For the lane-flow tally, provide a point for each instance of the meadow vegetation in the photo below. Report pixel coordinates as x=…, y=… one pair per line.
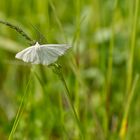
x=92, y=92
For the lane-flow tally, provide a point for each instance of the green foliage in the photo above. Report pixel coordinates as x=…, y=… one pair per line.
x=95, y=92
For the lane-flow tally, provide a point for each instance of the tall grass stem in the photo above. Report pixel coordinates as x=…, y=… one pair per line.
x=123, y=129
x=132, y=48
x=58, y=71
x=20, y=110
x=109, y=69
x=19, y=30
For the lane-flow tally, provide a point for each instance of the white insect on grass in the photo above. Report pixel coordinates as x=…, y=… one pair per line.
x=42, y=54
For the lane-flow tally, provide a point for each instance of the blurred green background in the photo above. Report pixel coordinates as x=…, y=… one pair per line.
x=100, y=70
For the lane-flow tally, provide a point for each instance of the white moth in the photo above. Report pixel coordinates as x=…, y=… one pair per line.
x=42, y=54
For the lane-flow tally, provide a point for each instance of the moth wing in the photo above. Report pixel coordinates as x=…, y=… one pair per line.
x=49, y=53
x=29, y=55
x=58, y=48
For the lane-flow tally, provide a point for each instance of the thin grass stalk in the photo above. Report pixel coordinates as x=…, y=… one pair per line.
x=64, y=131
x=20, y=109
x=58, y=20
x=123, y=129
x=76, y=43
x=22, y=104
x=109, y=69
x=77, y=57
x=57, y=70
x=132, y=48
x=19, y=30
x=61, y=112
x=72, y=106
x=100, y=25
x=102, y=63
